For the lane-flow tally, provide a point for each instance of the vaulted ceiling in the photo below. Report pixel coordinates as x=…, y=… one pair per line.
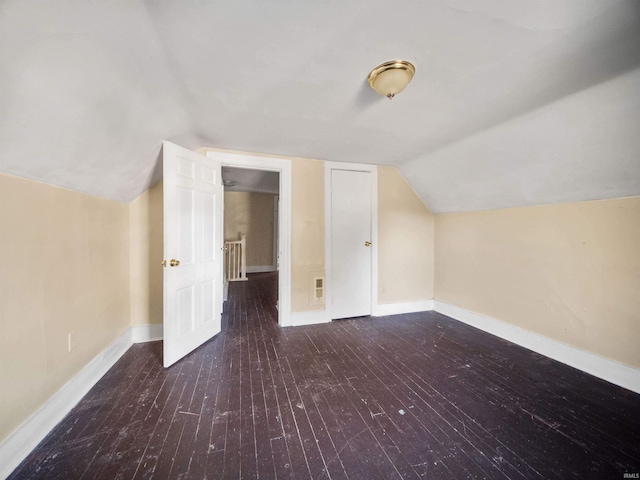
x=513, y=103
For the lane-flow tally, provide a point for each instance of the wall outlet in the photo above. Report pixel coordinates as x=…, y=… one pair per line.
x=71, y=341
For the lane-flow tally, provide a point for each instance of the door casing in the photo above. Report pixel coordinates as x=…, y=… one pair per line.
x=283, y=167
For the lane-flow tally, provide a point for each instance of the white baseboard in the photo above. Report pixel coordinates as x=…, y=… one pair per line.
x=404, y=307
x=311, y=317
x=261, y=269
x=596, y=365
x=146, y=333
x=15, y=448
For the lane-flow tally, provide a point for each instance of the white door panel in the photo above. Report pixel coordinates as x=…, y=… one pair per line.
x=193, y=236
x=350, y=231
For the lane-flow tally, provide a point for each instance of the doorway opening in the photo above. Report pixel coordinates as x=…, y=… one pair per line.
x=265, y=169
x=250, y=228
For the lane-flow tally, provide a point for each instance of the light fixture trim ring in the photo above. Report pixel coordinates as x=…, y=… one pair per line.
x=388, y=66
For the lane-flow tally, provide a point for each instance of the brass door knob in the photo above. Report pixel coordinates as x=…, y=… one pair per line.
x=174, y=262
x=367, y=244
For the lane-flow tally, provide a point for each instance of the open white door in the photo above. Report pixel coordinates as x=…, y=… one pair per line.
x=192, y=250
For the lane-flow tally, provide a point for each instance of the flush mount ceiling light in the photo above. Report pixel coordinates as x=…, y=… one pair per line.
x=391, y=78
x=228, y=183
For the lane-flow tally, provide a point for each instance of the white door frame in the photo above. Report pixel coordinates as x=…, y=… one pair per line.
x=357, y=167
x=276, y=208
x=283, y=167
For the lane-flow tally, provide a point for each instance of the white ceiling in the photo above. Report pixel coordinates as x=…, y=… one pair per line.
x=249, y=180
x=513, y=103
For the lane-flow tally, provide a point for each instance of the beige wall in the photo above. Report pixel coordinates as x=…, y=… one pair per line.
x=405, y=230
x=65, y=268
x=307, y=232
x=147, y=248
x=405, y=241
x=252, y=214
x=570, y=272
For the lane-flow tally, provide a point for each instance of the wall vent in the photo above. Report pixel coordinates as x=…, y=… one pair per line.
x=318, y=288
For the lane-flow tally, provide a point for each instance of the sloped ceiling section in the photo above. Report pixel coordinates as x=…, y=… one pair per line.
x=513, y=103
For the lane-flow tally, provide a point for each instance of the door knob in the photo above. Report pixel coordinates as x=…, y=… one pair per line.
x=174, y=262
x=367, y=244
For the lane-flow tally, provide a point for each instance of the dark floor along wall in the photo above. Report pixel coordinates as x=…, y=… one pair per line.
x=409, y=396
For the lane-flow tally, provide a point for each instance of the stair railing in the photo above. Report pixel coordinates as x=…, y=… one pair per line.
x=236, y=259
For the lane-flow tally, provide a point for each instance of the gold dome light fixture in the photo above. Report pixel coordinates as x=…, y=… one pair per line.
x=392, y=77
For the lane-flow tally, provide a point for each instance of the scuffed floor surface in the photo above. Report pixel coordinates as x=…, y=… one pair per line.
x=409, y=396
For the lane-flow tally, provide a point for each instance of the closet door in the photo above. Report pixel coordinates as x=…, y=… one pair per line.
x=351, y=257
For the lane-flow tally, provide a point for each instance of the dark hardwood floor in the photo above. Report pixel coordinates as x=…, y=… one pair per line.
x=409, y=396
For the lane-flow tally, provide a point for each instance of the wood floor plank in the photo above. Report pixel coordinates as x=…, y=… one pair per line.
x=571, y=449
x=375, y=398
x=467, y=440
x=210, y=384
x=408, y=396
x=128, y=415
